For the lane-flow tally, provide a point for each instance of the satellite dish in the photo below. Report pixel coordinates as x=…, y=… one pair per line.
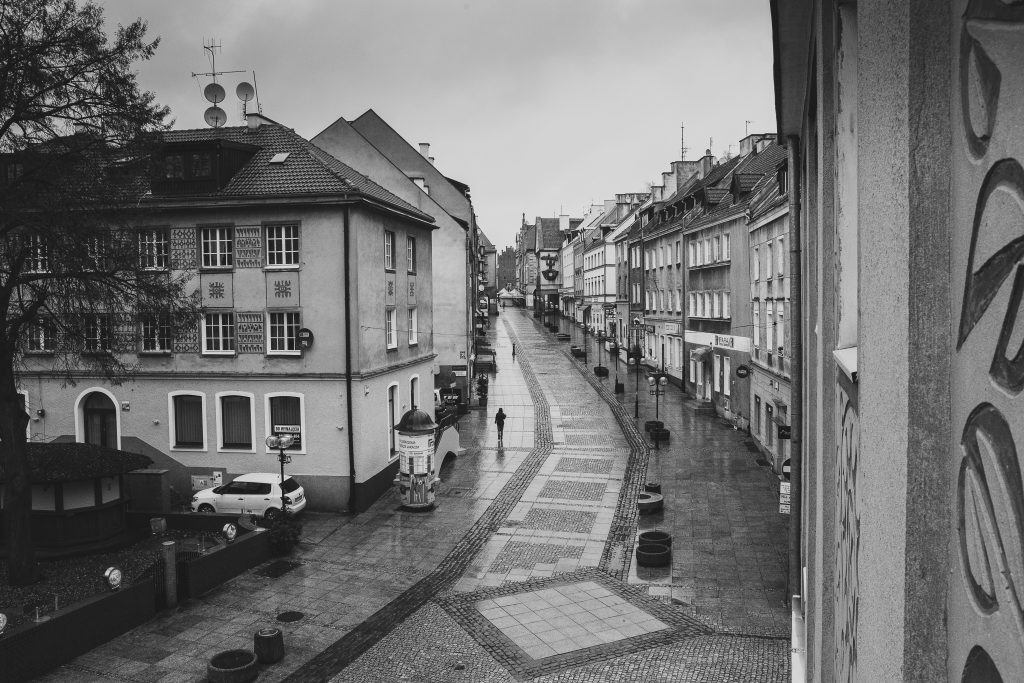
x=215, y=116
x=245, y=91
x=214, y=92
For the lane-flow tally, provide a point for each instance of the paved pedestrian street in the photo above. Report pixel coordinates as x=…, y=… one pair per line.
x=526, y=570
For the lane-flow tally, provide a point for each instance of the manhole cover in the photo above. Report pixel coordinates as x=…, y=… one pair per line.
x=289, y=617
x=278, y=568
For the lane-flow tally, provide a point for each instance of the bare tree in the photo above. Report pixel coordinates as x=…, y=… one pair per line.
x=78, y=284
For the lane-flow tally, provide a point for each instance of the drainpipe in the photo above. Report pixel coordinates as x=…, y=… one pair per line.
x=348, y=362
x=796, y=397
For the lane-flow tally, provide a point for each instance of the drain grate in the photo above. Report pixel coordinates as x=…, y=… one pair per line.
x=289, y=617
x=278, y=568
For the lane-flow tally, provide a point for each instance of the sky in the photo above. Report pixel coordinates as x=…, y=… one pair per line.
x=541, y=106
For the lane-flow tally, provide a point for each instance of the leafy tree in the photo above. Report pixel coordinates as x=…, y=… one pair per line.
x=76, y=282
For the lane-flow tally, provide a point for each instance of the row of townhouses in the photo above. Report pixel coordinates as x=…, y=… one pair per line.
x=692, y=277
x=341, y=280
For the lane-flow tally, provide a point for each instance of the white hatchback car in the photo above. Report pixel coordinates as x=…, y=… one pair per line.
x=251, y=494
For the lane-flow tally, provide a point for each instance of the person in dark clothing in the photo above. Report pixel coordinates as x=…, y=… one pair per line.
x=513, y=353
x=499, y=419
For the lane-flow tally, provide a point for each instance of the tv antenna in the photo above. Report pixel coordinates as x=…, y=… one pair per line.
x=746, y=128
x=682, y=142
x=214, y=92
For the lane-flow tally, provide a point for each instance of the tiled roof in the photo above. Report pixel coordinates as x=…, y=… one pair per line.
x=530, y=237
x=550, y=237
x=754, y=166
x=308, y=170
x=715, y=194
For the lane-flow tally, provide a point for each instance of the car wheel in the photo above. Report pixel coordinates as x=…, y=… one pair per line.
x=272, y=513
x=206, y=509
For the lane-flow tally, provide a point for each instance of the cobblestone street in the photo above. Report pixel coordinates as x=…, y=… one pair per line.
x=526, y=570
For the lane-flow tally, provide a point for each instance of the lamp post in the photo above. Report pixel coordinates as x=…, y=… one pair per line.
x=657, y=382
x=634, y=359
x=281, y=443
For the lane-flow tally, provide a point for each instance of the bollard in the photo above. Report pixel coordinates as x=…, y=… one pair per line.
x=268, y=644
x=170, y=574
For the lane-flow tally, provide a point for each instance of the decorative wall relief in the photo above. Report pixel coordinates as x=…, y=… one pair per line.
x=389, y=289
x=985, y=619
x=187, y=339
x=847, y=532
x=124, y=332
x=412, y=290
x=183, y=248
x=217, y=289
x=248, y=246
x=249, y=331
x=282, y=289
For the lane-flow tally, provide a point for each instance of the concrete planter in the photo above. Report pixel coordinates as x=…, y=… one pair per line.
x=652, y=487
x=232, y=666
x=653, y=424
x=600, y=371
x=655, y=538
x=649, y=503
x=660, y=435
x=653, y=555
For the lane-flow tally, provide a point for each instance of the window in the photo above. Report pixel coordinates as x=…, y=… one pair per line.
x=757, y=324
x=769, y=330
x=693, y=369
x=392, y=419
x=39, y=337
x=414, y=392
x=769, y=419
x=693, y=304
x=703, y=257
x=725, y=305
x=282, y=245
x=218, y=247
x=389, y=329
x=201, y=165
x=174, y=166
x=389, y=250
x=692, y=248
x=153, y=249
x=769, y=260
x=156, y=333
x=410, y=254
x=283, y=331
x=755, y=264
x=717, y=372
x=717, y=248
x=757, y=415
x=286, y=417
x=726, y=255
x=97, y=333
x=781, y=329
x=726, y=375
x=188, y=421
x=235, y=417
x=780, y=253
x=37, y=260
x=717, y=305
x=679, y=252
x=413, y=328
x=219, y=333
x=96, y=251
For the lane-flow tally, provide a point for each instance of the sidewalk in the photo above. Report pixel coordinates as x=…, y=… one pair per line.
x=525, y=569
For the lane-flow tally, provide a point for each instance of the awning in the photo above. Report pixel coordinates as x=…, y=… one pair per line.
x=700, y=354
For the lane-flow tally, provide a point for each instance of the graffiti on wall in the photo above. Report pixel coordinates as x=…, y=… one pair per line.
x=847, y=529
x=986, y=623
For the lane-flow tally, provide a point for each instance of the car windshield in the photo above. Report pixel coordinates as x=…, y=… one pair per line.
x=290, y=485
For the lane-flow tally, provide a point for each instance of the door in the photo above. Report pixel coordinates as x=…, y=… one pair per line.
x=232, y=497
x=100, y=418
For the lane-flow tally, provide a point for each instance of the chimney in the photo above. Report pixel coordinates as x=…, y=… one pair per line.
x=425, y=149
x=255, y=120
x=706, y=162
x=431, y=160
x=563, y=222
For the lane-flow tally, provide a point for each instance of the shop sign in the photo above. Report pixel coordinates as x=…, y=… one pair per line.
x=743, y=372
x=784, y=498
x=725, y=341
x=671, y=328
x=450, y=396
x=784, y=432
x=305, y=338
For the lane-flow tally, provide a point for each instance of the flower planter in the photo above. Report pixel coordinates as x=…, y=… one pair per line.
x=232, y=666
x=649, y=503
x=656, y=537
x=652, y=487
x=268, y=644
x=601, y=371
x=653, y=555
x=660, y=435
x=653, y=424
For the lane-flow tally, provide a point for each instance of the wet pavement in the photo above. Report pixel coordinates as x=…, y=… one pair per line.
x=526, y=570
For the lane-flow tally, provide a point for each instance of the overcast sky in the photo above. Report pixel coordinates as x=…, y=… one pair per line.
x=541, y=106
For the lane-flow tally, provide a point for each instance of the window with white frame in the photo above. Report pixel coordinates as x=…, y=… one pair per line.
x=717, y=372
x=780, y=326
x=693, y=370
x=390, y=333
x=187, y=420
x=97, y=333
x=726, y=254
x=717, y=248
x=413, y=327
x=39, y=336
x=692, y=250
x=703, y=257
x=679, y=252
x=717, y=303
x=780, y=253
x=769, y=329
x=769, y=259
x=219, y=333
x=755, y=265
x=282, y=245
x=727, y=375
x=757, y=323
x=156, y=333
x=234, y=413
x=97, y=252
x=286, y=416
x=708, y=251
x=389, y=250
x=153, y=249
x=692, y=299
x=414, y=391
x=410, y=254
x=37, y=259
x=725, y=305
x=283, y=331
x=218, y=246
x=393, y=408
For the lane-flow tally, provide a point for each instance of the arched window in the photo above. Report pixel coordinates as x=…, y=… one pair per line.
x=414, y=391
x=393, y=407
x=286, y=414
x=99, y=420
x=234, y=421
x=186, y=421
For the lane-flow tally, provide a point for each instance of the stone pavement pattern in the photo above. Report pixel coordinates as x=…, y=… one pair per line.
x=525, y=570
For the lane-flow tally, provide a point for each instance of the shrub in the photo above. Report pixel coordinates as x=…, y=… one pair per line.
x=284, y=533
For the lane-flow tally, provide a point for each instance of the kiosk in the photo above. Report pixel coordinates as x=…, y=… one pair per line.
x=416, y=470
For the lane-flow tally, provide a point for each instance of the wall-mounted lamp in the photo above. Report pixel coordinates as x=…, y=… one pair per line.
x=41, y=412
x=113, y=577
x=229, y=531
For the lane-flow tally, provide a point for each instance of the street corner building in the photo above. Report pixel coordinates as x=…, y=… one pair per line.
x=316, y=287
x=903, y=127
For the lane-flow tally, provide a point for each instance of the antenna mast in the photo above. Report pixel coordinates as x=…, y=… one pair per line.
x=214, y=91
x=746, y=128
x=682, y=142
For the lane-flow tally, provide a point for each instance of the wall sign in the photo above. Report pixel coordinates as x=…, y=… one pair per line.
x=742, y=371
x=304, y=337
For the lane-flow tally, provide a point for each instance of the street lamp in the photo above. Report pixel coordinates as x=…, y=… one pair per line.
x=281, y=443
x=657, y=382
x=634, y=359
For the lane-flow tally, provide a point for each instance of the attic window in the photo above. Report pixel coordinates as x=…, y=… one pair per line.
x=279, y=157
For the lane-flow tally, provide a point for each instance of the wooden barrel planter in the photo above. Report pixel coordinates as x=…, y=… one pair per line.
x=653, y=424
x=268, y=643
x=653, y=555
x=649, y=503
x=232, y=666
x=600, y=371
x=661, y=435
x=655, y=537
x=652, y=487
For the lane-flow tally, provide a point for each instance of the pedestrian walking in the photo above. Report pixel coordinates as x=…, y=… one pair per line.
x=499, y=419
x=513, y=352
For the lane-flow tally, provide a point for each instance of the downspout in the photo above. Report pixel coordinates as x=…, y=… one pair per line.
x=796, y=397
x=348, y=364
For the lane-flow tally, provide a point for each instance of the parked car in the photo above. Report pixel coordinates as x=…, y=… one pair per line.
x=251, y=494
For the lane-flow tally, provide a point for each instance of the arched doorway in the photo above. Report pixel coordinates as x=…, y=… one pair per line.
x=99, y=416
